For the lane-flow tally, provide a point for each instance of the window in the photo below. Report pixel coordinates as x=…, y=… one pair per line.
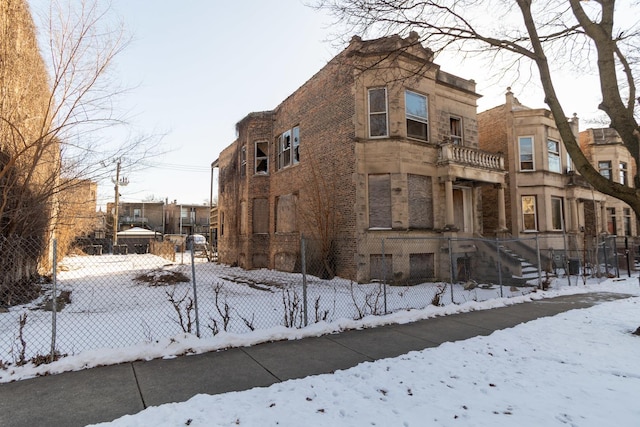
x=529, y=220
x=380, y=201
x=526, y=153
x=137, y=213
x=627, y=221
x=455, y=126
x=378, y=112
x=605, y=169
x=420, y=201
x=624, y=179
x=243, y=218
x=380, y=267
x=553, y=152
x=284, y=149
x=296, y=144
x=288, y=148
x=556, y=214
x=260, y=216
x=612, y=225
x=262, y=157
x=243, y=161
x=286, y=213
x=417, y=115
x=421, y=266
x=569, y=163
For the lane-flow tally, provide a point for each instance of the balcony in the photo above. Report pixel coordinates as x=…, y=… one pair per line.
x=459, y=163
x=457, y=154
x=134, y=220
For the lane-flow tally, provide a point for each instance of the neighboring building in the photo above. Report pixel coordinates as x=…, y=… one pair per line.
x=187, y=219
x=76, y=219
x=164, y=218
x=29, y=157
x=380, y=143
x=546, y=197
x=605, y=150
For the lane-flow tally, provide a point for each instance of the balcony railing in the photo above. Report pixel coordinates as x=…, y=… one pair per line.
x=134, y=219
x=451, y=153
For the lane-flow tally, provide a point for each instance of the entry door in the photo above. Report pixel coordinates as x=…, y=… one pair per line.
x=463, y=209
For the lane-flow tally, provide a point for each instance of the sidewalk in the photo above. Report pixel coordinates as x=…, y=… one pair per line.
x=106, y=393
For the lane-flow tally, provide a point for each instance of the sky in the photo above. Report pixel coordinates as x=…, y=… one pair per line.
x=198, y=68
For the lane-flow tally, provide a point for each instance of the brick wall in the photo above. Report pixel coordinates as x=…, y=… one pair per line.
x=492, y=137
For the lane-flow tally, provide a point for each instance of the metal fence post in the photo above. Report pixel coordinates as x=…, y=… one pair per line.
x=567, y=266
x=451, y=268
x=626, y=255
x=615, y=251
x=195, y=290
x=54, y=304
x=303, y=266
x=499, y=267
x=384, y=278
x=606, y=260
x=539, y=263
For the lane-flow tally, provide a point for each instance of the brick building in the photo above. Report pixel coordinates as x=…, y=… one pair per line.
x=604, y=149
x=379, y=143
x=546, y=197
x=163, y=217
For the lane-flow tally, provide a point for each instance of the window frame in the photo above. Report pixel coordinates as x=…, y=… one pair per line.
x=626, y=221
x=453, y=137
x=560, y=207
x=623, y=173
x=288, y=148
x=608, y=168
x=243, y=160
x=534, y=213
x=554, y=155
x=417, y=119
x=371, y=113
x=532, y=154
x=258, y=159
x=612, y=222
x=380, y=216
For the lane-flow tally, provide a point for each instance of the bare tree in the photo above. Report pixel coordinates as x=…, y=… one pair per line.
x=319, y=213
x=523, y=36
x=54, y=110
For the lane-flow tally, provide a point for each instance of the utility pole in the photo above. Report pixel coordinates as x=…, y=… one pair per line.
x=118, y=182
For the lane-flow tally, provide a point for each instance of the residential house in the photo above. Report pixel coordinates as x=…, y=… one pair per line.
x=546, y=197
x=163, y=217
x=380, y=143
x=186, y=219
x=604, y=149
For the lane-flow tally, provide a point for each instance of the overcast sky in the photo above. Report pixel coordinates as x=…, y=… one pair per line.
x=199, y=66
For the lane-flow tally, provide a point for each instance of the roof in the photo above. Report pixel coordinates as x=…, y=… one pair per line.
x=137, y=232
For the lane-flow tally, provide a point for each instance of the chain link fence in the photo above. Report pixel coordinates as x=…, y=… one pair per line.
x=143, y=295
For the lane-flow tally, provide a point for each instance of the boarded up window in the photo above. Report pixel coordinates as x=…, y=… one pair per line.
x=380, y=267
x=243, y=218
x=420, y=201
x=380, y=201
x=286, y=214
x=260, y=216
x=420, y=266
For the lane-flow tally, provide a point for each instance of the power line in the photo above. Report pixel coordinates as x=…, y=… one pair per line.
x=177, y=167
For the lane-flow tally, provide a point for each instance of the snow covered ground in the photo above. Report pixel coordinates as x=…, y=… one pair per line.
x=578, y=368
x=111, y=313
